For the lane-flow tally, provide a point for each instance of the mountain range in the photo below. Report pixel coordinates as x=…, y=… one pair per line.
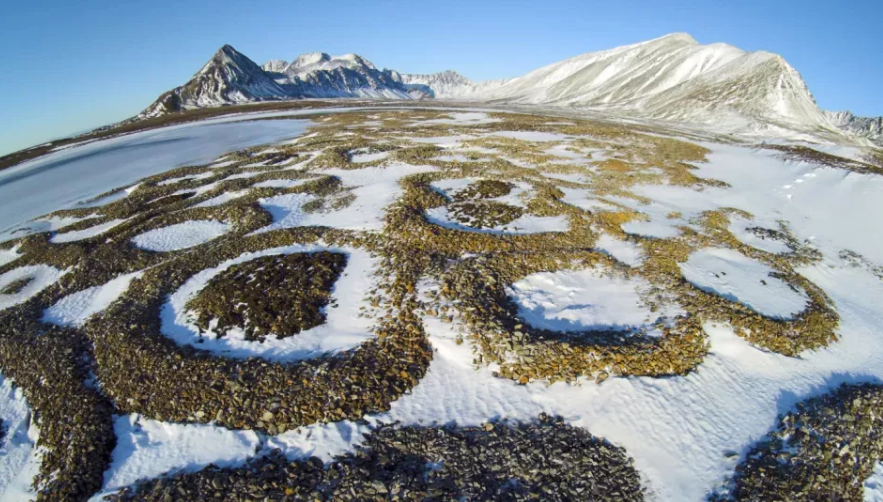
x=670, y=78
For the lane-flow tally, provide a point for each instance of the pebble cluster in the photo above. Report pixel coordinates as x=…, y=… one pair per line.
x=542, y=461
x=823, y=450
x=280, y=295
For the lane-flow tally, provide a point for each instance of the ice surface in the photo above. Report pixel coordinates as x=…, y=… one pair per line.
x=181, y=236
x=60, y=180
x=76, y=308
x=342, y=330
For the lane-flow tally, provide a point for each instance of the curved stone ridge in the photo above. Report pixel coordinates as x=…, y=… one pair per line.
x=546, y=460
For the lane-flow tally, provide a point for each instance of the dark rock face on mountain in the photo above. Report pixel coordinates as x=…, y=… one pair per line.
x=865, y=127
x=230, y=77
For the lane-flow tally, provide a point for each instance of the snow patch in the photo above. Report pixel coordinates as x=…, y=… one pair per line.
x=582, y=300
x=739, y=278
x=41, y=276
x=75, y=309
x=181, y=236
x=86, y=233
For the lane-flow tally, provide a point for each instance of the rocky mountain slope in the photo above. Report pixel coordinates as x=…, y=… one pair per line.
x=230, y=77
x=866, y=127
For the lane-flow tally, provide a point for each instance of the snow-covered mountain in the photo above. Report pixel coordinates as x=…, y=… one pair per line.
x=669, y=78
x=673, y=78
x=230, y=77
x=449, y=84
x=275, y=66
x=865, y=127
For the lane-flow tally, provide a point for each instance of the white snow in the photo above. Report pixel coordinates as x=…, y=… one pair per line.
x=75, y=309
x=361, y=157
x=873, y=487
x=342, y=330
x=8, y=255
x=172, y=181
x=588, y=299
x=222, y=199
x=286, y=210
x=739, y=278
x=624, y=251
x=86, y=233
x=149, y=448
x=41, y=277
x=443, y=141
x=282, y=183
x=526, y=224
x=181, y=236
x=225, y=163
x=19, y=436
x=739, y=228
x=654, y=228
x=375, y=188
x=459, y=119
x=537, y=136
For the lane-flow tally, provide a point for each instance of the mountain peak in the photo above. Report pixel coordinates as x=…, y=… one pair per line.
x=679, y=36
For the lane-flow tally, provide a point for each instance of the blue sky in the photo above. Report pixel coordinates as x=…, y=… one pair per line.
x=73, y=66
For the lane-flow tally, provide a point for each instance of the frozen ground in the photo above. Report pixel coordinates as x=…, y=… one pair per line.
x=681, y=431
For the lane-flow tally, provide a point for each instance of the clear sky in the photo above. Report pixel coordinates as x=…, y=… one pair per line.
x=72, y=66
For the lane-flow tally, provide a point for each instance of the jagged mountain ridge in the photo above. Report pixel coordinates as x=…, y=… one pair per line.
x=865, y=127
x=230, y=77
